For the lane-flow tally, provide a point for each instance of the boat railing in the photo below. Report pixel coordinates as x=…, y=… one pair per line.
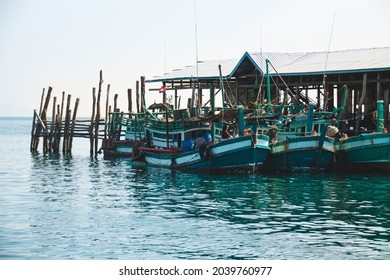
x=162, y=123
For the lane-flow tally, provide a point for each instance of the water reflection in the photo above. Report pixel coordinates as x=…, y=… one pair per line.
x=92, y=208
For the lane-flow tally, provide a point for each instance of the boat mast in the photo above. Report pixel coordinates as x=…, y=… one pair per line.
x=268, y=86
x=326, y=62
x=194, y=94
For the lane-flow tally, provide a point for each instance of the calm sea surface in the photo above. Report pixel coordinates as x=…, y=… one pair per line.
x=56, y=207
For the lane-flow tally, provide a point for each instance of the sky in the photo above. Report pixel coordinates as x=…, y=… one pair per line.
x=64, y=44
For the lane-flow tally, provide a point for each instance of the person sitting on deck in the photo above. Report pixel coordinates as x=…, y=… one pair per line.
x=314, y=132
x=225, y=132
x=199, y=141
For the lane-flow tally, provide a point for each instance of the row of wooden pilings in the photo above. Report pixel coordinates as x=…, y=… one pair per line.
x=65, y=125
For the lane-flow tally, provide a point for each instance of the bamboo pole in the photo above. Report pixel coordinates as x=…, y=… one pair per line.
x=73, y=125
x=91, y=134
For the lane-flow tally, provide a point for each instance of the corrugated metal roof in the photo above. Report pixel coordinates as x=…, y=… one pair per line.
x=206, y=70
x=339, y=61
x=278, y=59
x=371, y=59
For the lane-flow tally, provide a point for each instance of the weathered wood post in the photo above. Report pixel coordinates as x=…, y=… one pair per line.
x=137, y=96
x=73, y=124
x=143, y=105
x=129, y=99
x=97, y=119
x=44, y=120
x=32, y=131
x=59, y=126
x=106, y=116
x=66, y=124
x=115, y=117
x=91, y=128
x=359, y=112
x=42, y=97
x=53, y=118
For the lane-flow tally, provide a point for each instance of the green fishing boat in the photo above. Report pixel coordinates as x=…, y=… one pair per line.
x=367, y=151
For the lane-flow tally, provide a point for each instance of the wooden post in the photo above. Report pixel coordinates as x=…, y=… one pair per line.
x=176, y=105
x=106, y=116
x=143, y=105
x=44, y=119
x=53, y=117
x=115, y=102
x=97, y=119
x=32, y=131
x=129, y=99
x=91, y=136
x=66, y=125
x=386, y=107
x=42, y=96
x=58, y=141
x=359, y=112
x=57, y=131
x=137, y=96
x=73, y=125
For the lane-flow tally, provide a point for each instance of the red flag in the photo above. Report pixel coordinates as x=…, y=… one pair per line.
x=162, y=89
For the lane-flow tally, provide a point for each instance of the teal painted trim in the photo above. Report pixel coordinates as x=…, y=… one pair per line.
x=380, y=113
x=246, y=55
x=310, y=112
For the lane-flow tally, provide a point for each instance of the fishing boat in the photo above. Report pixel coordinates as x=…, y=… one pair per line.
x=169, y=144
x=367, y=151
x=297, y=146
x=118, y=144
x=305, y=140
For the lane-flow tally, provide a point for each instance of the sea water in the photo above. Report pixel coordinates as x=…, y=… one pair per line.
x=78, y=207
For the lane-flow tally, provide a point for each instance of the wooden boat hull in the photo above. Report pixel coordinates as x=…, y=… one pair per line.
x=301, y=154
x=369, y=152
x=235, y=154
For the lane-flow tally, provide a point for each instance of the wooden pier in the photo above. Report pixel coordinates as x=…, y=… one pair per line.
x=58, y=132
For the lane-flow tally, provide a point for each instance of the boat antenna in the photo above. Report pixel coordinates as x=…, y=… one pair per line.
x=326, y=62
x=259, y=97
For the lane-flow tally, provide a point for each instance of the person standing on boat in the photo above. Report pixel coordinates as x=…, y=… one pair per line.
x=199, y=142
x=225, y=132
